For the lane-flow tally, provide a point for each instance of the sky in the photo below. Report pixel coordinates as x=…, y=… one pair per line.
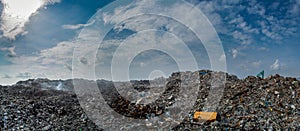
x=39, y=38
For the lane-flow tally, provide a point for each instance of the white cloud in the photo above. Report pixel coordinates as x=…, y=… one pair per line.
x=142, y=64
x=276, y=65
x=222, y=57
x=50, y=63
x=145, y=22
x=256, y=8
x=234, y=53
x=78, y=26
x=270, y=24
x=138, y=43
x=256, y=64
x=272, y=35
x=60, y=54
x=121, y=13
x=59, y=58
x=263, y=49
x=244, y=38
x=11, y=51
x=33, y=69
x=210, y=9
x=296, y=8
x=174, y=11
x=238, y=28
x=16, y=14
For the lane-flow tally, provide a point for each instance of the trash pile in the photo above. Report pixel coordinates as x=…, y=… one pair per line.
x=65, y=85
x=34, y=108
x=253, y=103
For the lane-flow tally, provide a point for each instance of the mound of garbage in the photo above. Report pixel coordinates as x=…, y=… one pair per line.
x=252, y=103
x=65, y=85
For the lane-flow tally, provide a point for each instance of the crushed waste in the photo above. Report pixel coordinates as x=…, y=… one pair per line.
x=252, y=103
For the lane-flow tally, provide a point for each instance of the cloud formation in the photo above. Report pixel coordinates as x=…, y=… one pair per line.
x=276, y=65
x=11, y=51
x=77, y=26
x=243, y=20
x=234, y=53
x=256, y=64
x=248, y=29
x=16, y=14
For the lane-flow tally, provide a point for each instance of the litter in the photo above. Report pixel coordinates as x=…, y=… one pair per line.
x=261, y=74
x=205, y=116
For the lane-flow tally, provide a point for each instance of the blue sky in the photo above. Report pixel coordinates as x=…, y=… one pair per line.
x=37, y=39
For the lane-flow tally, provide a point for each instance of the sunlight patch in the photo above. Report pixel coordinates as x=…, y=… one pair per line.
x=16, y=13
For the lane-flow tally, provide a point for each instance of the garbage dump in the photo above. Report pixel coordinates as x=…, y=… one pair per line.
x=252, y=103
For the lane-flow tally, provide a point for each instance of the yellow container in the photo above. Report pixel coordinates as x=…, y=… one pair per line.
x=206, y=116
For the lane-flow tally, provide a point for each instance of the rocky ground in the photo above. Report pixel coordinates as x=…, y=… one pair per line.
x=247, y=104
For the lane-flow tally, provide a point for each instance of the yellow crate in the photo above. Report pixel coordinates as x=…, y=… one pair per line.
x=206, y=116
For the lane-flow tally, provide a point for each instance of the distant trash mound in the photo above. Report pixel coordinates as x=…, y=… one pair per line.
x=252, y=103
x=66, y=85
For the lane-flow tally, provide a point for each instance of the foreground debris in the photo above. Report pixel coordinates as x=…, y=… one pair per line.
x=31, y=108
x=252, y=103
x=256, y=104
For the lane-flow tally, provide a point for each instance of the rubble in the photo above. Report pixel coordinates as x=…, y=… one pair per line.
x=33, y=108
x=253, y=103
x=257, y=104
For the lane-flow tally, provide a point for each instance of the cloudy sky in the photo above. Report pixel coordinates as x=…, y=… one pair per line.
x=38, y=37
